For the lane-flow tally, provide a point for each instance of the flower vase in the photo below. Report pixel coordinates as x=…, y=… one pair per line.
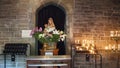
x=45, y=45
x=49, y=49
x=52, y=45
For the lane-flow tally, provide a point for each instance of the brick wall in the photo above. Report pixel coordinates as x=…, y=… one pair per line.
x=93, y=20
x=20, y=15
x=86, y=19
x=14, y=17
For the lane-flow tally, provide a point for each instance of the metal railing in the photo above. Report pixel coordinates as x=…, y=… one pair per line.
x=4, y=59
x=88, y=55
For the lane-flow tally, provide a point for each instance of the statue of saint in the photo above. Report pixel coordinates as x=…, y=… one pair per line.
x=50, y=26
x=51, y=23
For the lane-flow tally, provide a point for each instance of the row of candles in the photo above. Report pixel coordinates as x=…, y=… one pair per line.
x=112, y=47
x=87, y=45
x=90, y=46
x=114, y=33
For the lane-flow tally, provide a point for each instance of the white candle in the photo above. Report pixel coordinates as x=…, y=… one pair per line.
x=113, y=47
x=106, y=48
x=78, y=41
x=83, y=44
x=116, y=34
x=75, y=41
x=111, y=33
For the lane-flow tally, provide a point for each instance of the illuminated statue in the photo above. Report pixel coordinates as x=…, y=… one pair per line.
x=50, y=26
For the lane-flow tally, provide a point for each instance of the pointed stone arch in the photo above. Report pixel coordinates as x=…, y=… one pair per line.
x=58, y=14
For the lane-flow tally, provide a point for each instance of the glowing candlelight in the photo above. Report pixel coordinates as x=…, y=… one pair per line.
x=91, y=51
x=78, y=41
x=83, y=44
x=111, y=33
x=106, y=48
x=77, y=47
x=75, y=41
x=80, y=49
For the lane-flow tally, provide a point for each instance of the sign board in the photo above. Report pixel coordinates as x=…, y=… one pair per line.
x=26, y=34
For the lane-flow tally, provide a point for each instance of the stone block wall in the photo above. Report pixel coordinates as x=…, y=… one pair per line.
x=14, y=17
x=93, y=20
x=19, y=15
x=85, y=19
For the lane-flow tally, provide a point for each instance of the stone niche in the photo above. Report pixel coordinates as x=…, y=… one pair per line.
x=68, y=9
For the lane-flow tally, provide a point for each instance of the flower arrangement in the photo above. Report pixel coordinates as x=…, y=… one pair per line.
x=49, y=34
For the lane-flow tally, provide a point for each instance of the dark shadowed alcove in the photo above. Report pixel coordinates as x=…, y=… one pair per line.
x=58, y=14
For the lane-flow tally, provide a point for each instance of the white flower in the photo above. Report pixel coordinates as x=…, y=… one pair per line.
x=62, y=37
x=56, y=32
x=41, y=35
x=61, y=32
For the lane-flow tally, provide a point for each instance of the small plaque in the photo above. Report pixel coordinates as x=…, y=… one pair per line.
x=26, y=34
x=48, y=53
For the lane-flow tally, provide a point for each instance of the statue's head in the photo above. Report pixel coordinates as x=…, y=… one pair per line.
x=50, y=22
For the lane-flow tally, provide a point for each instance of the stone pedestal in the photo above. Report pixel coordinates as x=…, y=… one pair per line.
x=49, y=52
x=49, y=49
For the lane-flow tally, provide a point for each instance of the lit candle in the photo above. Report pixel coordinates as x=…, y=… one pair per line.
x=83, y=44
x=113, y=47
x=111, y=33
x=92, y=48
x=106, y=48
x=116, y=33
x=75, y=41
x=91, y=51
x=83, y=41
x=77, y=47
x=80, y=49
x=87, y=47
x=78, y=41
